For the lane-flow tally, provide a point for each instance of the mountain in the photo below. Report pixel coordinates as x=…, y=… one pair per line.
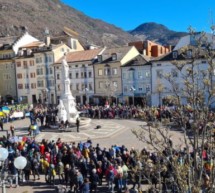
x=158, y=33
x=37, y=15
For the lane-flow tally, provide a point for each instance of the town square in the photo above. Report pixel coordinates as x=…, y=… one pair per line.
x=107, y=96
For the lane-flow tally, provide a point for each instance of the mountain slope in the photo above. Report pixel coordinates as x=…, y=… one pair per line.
x=36, y=15
x=158, y=33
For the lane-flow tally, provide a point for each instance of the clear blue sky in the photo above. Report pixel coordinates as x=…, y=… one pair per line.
x=177, y=15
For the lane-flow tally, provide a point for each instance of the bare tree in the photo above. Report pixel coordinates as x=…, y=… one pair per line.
x=194, y=96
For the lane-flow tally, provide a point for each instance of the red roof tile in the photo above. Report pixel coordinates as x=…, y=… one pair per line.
x=81, y=55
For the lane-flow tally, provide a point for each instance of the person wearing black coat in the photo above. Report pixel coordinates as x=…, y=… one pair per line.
x=27, y=170
x=77, y=124
x=94, y=179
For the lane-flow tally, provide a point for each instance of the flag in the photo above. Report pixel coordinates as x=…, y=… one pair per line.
x=2, y=114
x=6, y=110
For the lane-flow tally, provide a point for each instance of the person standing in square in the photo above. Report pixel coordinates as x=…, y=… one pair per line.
x=77, y=124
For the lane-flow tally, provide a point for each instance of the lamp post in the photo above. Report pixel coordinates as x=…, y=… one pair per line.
x=132, y=89
x=19, y=163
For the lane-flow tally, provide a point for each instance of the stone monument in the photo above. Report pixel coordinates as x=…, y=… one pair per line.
x=67, y=107
x=67, y=110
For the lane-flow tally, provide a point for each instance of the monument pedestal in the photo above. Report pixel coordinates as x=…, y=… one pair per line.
x=67, y=108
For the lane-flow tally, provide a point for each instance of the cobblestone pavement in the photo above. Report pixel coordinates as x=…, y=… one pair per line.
x=112, y=131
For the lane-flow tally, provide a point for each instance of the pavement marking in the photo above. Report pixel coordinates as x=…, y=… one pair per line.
x=88, y=135
x=101, y=132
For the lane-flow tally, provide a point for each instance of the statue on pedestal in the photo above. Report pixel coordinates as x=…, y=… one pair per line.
x=65, y=69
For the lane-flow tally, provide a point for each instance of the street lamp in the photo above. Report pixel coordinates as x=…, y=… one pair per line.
x=132, y=89
x=20, y=163
x=3, y=157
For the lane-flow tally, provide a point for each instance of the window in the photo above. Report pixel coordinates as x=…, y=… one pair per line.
x=85, y=74
x=71, y=86
x=140, y=89
x=174, y=54
x=174, y=73
x=90, y=74
x=147, y=74
x=25, y=64
x=114, y=71
x=100, y=72
x=39, y=71
x=107, y=71
x=76, y=66
x=32, y=75
x=50, y=70
x=90, y=86
x=115, y=85
x=147, y=88
x=26, y=86
x=31, y=62
x=99, y=58
x=6, y=77
x=130, y=74
x=70, y=75
x=58, y=87
x=139, y=74
x=20, y=86
x=83, y=86
x=100, y=84
x=58, y=76
x=19, y=76
x=38, y=60
x=33, y=85
x=18, y=64
x=82, y=75
x=114, y=57
x=62, y=49
x=40, y=83
x=76, y=75
x=159, y=73
x=51, y=82
x=77, y=86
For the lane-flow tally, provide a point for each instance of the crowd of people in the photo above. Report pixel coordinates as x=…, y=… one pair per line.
x=85, y=168
x=81, y=167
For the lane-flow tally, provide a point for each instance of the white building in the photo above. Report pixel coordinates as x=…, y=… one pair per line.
x=136, y=81
x=165, y=68
x=81, y=74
